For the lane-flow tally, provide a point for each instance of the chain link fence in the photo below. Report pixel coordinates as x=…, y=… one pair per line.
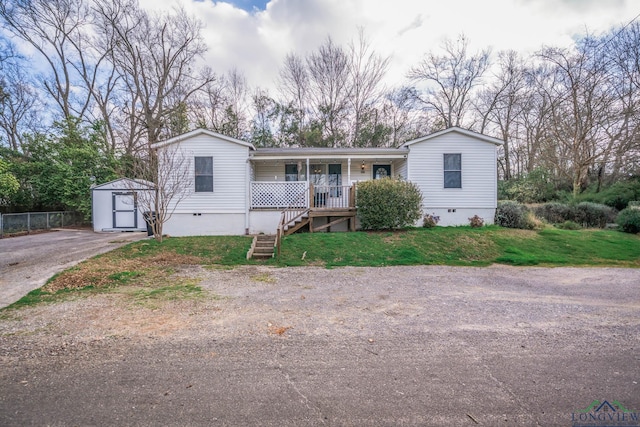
x=26, y=222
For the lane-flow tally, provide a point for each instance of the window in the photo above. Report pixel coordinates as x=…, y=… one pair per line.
x=453, y=171
x=204, y=174
x=290, y=172
x=381, y=171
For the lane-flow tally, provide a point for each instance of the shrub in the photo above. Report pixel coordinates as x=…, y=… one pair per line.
x=593, y=214
x=629, y=220
x=512, y=214
x=617, y=195
x=554, y=212
x=535, y=187
x=430, y=221
x=569, y=225
x=476, y=222
x=388, y=203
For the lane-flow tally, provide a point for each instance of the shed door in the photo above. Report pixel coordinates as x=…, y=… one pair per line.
x=125, y=212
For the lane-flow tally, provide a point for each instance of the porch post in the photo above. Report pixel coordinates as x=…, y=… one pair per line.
x=308, y=169
x=247, y=198
x=349, y=170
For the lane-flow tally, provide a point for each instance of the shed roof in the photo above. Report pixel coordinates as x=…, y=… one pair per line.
x=125, y=184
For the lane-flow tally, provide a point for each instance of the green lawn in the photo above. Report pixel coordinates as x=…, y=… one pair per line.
x=439, y=245
x=146, y=267
x=463, y=246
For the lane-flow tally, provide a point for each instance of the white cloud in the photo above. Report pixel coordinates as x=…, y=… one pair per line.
x=256, y=42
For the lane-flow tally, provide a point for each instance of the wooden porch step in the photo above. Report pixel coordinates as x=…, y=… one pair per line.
x=262, y=247
x=297, y=225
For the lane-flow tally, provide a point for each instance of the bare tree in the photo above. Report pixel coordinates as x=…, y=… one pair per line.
x=329, y=90
x=223, y=105
x=266, y=110
x=19, y=102
x=367, y=69
x=55, y=29
x=168, y=173
x=500, y=103
x=624, y=130
x=293, y=84
x=155, y=56
x=450, y=79
x=577, y=87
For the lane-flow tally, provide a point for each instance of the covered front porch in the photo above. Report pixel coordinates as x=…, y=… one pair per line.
x=302, y=204
x=317, y=177
x=314, y=188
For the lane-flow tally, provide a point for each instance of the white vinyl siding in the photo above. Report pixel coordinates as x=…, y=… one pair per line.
x=479, y=176
x=271, y=171
x=229, y=176
x=401, y=170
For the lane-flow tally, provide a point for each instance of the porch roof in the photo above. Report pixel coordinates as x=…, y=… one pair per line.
x=313, y=153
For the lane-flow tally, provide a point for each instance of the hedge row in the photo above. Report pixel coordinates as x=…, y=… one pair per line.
x=586, y=214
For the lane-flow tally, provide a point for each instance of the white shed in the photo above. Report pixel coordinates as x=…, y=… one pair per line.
x=114, y=205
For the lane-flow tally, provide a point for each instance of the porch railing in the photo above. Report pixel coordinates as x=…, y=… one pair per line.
x=333, y=196
x=278, y=195
x=284, y=195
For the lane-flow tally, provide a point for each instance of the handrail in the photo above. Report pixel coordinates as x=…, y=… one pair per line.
x=291, y=214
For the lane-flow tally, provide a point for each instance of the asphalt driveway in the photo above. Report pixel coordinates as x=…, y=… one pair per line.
x=26, y=262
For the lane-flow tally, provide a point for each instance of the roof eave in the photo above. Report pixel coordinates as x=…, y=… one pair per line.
x=197, y=132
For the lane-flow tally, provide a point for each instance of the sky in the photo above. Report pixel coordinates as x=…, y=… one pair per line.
x=254, y=36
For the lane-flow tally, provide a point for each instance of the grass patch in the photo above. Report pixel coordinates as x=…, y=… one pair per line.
x=180, y=291
x=221, y=250
x=453, y=246
x=145, y=269
x=463, y=246
x=145, y=266
x=264, y=278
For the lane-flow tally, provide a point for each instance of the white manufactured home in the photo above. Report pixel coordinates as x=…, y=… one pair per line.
x=236, y=188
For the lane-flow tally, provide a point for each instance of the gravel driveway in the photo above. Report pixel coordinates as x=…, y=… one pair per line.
x=423, y=345
x=27, y=262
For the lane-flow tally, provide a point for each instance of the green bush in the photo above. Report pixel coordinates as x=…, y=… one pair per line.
x=569, y=225
x=512, y=214
x=629, y=220
x=586, y=214
x=385, y=204
x=617, y=195
x=535, y=187
x=593, y=214
x=554, y=212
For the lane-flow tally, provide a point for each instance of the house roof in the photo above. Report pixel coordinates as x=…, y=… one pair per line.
x=124, y=184
x=198, y=132
x=455, y=129
x=328, y=153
